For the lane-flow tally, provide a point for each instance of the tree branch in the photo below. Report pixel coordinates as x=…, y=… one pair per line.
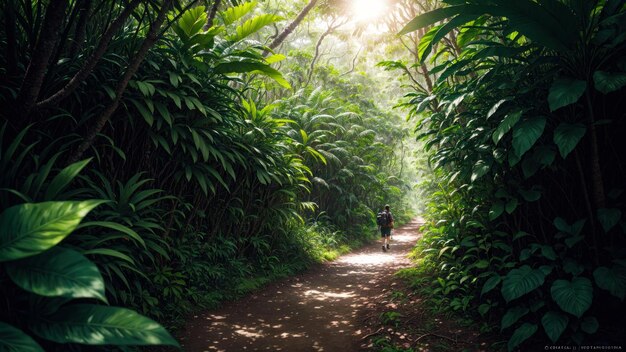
x=281, y=37
x=211, y=15
x=91, y=61
x=148, y=42
x=48, y=37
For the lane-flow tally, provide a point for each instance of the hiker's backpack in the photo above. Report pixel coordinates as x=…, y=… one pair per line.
x=383, y=218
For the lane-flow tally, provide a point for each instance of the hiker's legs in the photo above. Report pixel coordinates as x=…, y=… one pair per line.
x=384, y=234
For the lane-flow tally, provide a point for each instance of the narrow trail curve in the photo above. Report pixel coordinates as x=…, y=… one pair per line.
x=319, y=310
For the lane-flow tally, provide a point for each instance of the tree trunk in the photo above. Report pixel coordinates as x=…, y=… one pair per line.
x=148, y=42
x=92, y=60
x=290, y=28
x=211, y=15
x=33, y=79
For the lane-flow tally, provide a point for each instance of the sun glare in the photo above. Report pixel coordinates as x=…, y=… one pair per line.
x=367, y=10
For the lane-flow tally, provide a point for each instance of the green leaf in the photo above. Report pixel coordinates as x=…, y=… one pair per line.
x=530, y=195
x=612, y=279
x=482, y=264
x=565, y=91
x=253, y=25
x=13, y=339
x=480, y=169
x=607, y=82
x=31, y=228
x=110, y=253
x=252, y=67
x=571, y=241
x=192, y=21
x=589, y=325
x=511, y=205
x=567, y=136
x=574, y=296
x=505, y=126
x=490, y=284
x=571, y=266
x=430, y=18
x=521, y=334
x=547, y=252
x=436, y=33
x=526, y=133
x=519, y=282
x=609, y=218
x=562, y=225
x=117, y=227
x=496, y=210
x=63, y=179
x=234, y=13
x=512, y=316
x=554, y=323
x=483, y=309
x=58, y=272
x=147, y=116
x=101, y=325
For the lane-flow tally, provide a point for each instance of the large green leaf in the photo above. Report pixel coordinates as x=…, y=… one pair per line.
x=612, y=279
x=574, y=296
x=432, y=17
x=13, y=339
x=512, y=316
x=31, y=228
x=234, y=13
x=565, y=91
x=101, y=325
x=252, y=67
x=521, y=334
x=607, y=82
x=554, y=323
x=58, y=272
x=192, y=21
x=253, y=25
x=505, y=126
x=519, y=282
x=526, y=134
x=567, y=136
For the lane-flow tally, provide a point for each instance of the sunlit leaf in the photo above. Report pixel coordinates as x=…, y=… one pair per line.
x=101, y=325
x=28, y=229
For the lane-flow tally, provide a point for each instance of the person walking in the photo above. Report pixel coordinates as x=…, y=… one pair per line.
x=384, y=219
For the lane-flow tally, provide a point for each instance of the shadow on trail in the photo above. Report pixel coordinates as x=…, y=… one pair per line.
x=314, y=311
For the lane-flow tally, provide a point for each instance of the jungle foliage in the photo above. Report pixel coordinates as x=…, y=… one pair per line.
x=141, y=166
x=523, y=128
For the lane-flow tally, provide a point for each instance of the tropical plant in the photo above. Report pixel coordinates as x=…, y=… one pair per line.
x=514, y=127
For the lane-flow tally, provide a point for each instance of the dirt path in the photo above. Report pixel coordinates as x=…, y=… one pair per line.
x=320, y=310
